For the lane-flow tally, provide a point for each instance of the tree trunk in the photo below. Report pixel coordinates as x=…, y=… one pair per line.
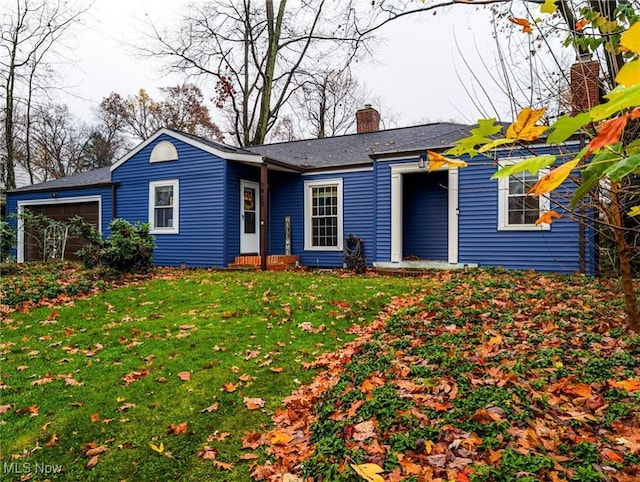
x=274, y=26
x=624, y=256
x=9, y=174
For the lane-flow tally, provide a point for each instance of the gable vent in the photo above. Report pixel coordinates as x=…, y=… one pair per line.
x=164, y=151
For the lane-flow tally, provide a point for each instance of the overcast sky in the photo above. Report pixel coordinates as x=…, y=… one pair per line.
x=419, y=74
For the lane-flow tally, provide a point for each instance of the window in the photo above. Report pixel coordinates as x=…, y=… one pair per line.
x=163, y=206
x=516, y=210
x=323, y=215
x=163, y=151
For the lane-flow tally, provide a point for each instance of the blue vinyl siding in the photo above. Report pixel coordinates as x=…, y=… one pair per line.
x=286, y=198
x=382, y=174
x=202, y=203
x=236, y=173
x=357, y=188
x=481, y=242
x=425, y=216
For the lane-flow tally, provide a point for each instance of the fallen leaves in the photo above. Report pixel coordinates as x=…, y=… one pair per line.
x=93, y=451
x=253, y=403
x=494, y=376
x=132, y=377
x=184, y=376
x=369, y=472
x=178, y=428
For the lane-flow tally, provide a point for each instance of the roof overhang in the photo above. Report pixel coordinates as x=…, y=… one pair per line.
x=28, y=189
x=230, y=156
x=397, y=154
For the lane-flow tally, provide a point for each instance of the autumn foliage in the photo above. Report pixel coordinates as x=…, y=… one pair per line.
x=496, y=376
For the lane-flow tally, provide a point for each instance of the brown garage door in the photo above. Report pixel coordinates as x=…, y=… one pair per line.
x=60, y=212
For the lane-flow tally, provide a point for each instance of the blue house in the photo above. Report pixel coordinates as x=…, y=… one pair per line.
x=209, y=204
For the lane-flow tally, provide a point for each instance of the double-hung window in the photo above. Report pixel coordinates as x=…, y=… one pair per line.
x=518, y=211
x=323, y=214
x=163, y=206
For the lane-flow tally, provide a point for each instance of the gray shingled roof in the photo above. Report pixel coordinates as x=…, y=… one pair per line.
x=354, y=149
x=91, y=178
x=214, y=144
x=330, y=152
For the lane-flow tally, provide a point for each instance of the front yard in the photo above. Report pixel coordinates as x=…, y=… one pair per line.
x=160, y=379
x=197, y=375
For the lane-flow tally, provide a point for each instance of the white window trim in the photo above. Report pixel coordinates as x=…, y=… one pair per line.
x=503, y=203
x=175, y=229
x=308, y=190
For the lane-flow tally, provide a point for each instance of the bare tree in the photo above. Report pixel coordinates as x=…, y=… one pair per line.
x=328, y=102
x=256, y=54
x=57, y=143
x=30, y=32
x=140, y=116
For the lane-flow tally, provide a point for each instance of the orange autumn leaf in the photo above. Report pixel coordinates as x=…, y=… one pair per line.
x=253, y=403
x=438, y=161
x=581, y=24
x=524, y=128
x=628, y=385
x=280, y=438
x=552, y=179
x=252, y=440
x=95, y=417
x=609, y=133
x=612, y=455
x=547, y=217
x=210, y=408
x=230, y=387
x=523, y=22
x=222, y=465
x=178, y=429
x=93, y=461
x=52, y=441
x=184, y=376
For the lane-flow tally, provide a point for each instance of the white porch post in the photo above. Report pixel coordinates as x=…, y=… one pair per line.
x=453, y=215
x=396, y=215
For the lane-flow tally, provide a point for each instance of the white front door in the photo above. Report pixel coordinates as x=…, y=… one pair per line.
x=249, y=217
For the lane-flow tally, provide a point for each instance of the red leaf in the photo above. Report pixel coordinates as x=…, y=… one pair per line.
x=581, y=24
x=523, y=22
x=608, y=133
x=184, y=376
x=132, y=377
x=547, y=217
x=178, y=429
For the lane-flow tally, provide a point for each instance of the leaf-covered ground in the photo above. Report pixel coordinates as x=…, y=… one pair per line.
x=491, y=376
x=160, y=378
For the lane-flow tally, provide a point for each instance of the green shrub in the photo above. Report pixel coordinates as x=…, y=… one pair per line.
x=129, y=248
x=7, y=240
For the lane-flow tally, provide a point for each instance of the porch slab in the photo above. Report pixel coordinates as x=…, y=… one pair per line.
x=423, y=265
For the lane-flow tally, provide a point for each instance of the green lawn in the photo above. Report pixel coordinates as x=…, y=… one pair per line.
x=161, y=379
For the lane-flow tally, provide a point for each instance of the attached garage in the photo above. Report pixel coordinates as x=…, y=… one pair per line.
x=90, y=195
x=59, y=210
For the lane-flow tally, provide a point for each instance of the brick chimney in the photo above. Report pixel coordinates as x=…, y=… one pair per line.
x=367, y=119
x=585, y=85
